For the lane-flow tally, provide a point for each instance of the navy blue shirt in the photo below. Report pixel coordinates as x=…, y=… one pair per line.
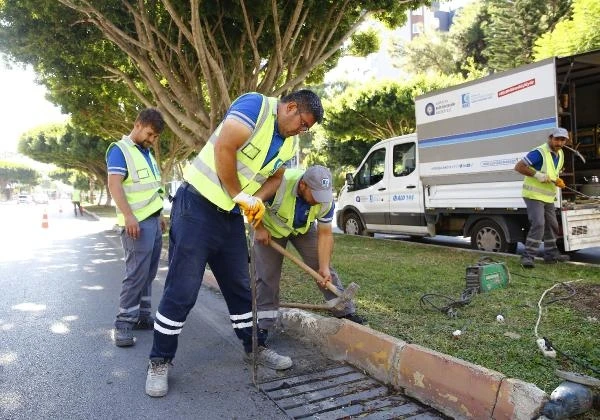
x=303, y=208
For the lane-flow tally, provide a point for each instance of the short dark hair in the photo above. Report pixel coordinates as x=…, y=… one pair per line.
x=307, y=101
x=153, y=118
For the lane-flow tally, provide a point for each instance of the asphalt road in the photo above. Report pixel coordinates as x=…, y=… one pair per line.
x=60, y=288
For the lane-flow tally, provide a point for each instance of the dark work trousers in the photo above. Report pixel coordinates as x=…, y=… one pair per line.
x=142, y=256
x=202, y=233
x=543, y=225
x=268, y=263
x=77, y=205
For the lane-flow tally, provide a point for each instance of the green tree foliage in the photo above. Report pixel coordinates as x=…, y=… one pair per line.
x=427, y=53
x=364, y=43
x=190, y=59
x=572, y=36
x=515, y=25
x=68, y=148
x=62, y=175
x=14, y=174
x=466, y=36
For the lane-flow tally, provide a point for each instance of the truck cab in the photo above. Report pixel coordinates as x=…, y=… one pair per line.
x=385, y=194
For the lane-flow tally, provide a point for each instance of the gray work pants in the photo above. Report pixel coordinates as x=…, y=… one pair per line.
x=268, y=262
x=543, y=226
x=142, y=256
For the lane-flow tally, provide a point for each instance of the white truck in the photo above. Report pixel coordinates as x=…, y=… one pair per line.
x=455, y=175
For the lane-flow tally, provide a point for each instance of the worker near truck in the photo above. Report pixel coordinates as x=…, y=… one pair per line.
x=541, y=168
x=302, y=198
x=241, y=164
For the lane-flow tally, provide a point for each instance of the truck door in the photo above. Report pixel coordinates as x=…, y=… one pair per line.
x=405, y=192
x=370, y=190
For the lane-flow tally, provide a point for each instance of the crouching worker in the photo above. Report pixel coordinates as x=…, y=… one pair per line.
x=302, y=198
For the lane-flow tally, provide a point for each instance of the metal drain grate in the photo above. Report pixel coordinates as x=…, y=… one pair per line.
x=341, y=393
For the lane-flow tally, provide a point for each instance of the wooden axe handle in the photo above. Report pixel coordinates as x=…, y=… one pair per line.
x=304, y=266
x=304, y=306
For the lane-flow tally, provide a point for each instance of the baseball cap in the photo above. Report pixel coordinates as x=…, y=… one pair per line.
x=318, y=179
x=559, y=132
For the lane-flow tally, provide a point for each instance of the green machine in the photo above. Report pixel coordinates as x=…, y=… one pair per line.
x=487, y=275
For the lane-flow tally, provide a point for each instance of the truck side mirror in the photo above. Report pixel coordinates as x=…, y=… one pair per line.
x=350, y=181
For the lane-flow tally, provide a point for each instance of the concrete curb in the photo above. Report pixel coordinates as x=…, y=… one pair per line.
x=453, y=386
x=456, y=388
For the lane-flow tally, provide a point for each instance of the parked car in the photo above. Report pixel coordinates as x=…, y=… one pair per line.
x=24, y=199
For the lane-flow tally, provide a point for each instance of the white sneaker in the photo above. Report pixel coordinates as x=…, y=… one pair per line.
x=157, y=384
x=269, y=358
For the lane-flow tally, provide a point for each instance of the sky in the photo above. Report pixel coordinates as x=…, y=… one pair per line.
x=22, y=105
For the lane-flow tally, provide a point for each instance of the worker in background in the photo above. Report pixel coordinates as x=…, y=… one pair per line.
x=541, y=168
x=302, y=198
x=76, y=200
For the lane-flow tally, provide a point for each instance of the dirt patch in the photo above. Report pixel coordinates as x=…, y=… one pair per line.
x=586, y=300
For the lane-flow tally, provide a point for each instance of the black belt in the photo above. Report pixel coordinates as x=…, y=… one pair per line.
x=194, y=191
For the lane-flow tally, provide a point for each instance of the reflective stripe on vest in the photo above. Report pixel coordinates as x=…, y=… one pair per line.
x=142, y=186
x=202, y=174
x=544, y=191
x=279, y=217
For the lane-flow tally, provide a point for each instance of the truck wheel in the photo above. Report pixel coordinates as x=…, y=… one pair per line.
x=488, y=236
x=353, y=225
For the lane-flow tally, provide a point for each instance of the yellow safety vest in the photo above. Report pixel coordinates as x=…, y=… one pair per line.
x=76, y=196
x=202, y=173
x=143, y=188
x=544, y=191
x=279, y=217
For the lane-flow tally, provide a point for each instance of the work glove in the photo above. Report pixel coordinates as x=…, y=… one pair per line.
x=560, y=183
x=542, y=177
x=252, y=206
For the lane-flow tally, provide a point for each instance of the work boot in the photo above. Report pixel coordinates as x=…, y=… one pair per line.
x=144, y=323
x=556, y=258
x=123, y=336
x=269, y=358
x=354, y=318
x=157, y=381
x=527, y=262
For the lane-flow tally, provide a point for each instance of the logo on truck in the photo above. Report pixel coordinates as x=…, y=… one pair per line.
x=516, y=88
x=429, y=109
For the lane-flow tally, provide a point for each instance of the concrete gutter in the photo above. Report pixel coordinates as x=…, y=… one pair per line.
x=454, y=387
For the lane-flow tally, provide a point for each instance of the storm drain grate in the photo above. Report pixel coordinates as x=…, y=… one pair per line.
x=341, y=393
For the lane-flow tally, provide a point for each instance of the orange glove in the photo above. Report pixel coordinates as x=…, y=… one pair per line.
x=254, y=217
x=252, y=206
x=560, y=183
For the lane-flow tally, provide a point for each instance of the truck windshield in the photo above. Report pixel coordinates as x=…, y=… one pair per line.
x=372, y=170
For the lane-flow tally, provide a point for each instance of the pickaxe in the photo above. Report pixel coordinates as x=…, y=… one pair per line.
x=579, y=155
x=343, y=296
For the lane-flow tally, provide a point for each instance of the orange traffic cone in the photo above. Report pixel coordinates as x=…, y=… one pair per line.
x=45, y=220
